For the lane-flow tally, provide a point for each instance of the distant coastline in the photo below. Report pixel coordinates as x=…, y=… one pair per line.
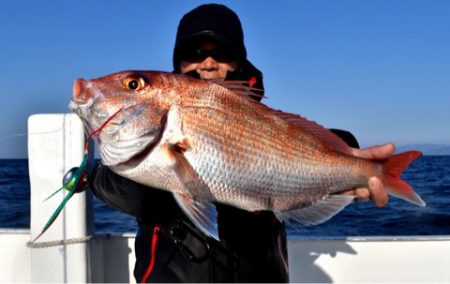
x=426, y=149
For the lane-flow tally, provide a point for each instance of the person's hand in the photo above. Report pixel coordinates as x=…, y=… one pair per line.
x=375, y=191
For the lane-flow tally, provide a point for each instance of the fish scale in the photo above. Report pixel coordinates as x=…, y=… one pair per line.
x=287, y=174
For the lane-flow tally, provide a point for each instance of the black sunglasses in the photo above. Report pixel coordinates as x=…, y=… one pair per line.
x=197, y=54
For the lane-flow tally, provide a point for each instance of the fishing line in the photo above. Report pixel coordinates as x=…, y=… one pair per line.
x=11, y=136
x=33, y=133
x=71, y=183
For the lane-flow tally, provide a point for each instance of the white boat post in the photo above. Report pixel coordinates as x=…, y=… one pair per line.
x=55, y=145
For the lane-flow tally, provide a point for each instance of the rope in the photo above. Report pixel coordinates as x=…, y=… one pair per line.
x=59, y=242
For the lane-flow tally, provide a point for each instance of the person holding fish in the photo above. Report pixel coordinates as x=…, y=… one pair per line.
x=195, y=234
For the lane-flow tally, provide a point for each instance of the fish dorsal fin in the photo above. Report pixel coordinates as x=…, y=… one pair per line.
x=333, y=141
x=318, y=212
x=243, y=88
x=202, y=213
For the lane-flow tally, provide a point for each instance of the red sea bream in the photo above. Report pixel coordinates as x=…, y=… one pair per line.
x=208, y=141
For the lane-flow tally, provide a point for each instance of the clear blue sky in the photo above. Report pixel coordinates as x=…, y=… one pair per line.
x=380, y=68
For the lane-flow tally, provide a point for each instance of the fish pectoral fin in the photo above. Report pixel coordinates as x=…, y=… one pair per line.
x=316, y=213
x=192, y=185
x=202, y=213
x=174, y=143
x=173, y=131
x=180, y=164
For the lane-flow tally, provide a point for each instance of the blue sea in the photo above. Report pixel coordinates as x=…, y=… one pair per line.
x=430, y=177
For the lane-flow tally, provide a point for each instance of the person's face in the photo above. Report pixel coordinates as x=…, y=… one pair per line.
x=209, y=59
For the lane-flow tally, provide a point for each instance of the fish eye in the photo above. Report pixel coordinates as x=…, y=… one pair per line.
x=134, y=83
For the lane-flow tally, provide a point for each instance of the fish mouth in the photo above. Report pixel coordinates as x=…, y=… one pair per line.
x=94, y=118
x=81, y=108
x=115, y=151
x=84, y=110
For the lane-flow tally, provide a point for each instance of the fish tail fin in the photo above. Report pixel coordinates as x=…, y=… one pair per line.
x=392, y=169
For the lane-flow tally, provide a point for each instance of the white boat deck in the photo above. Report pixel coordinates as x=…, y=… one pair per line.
x=362, y=260
x=75, y=255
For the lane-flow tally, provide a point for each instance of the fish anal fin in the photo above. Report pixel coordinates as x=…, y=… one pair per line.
x=202, y=213
x=318, y=212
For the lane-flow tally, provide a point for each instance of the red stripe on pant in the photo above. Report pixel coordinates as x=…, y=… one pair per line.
x=149, y=269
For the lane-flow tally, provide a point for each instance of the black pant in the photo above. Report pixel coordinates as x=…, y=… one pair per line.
x=184, y=254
